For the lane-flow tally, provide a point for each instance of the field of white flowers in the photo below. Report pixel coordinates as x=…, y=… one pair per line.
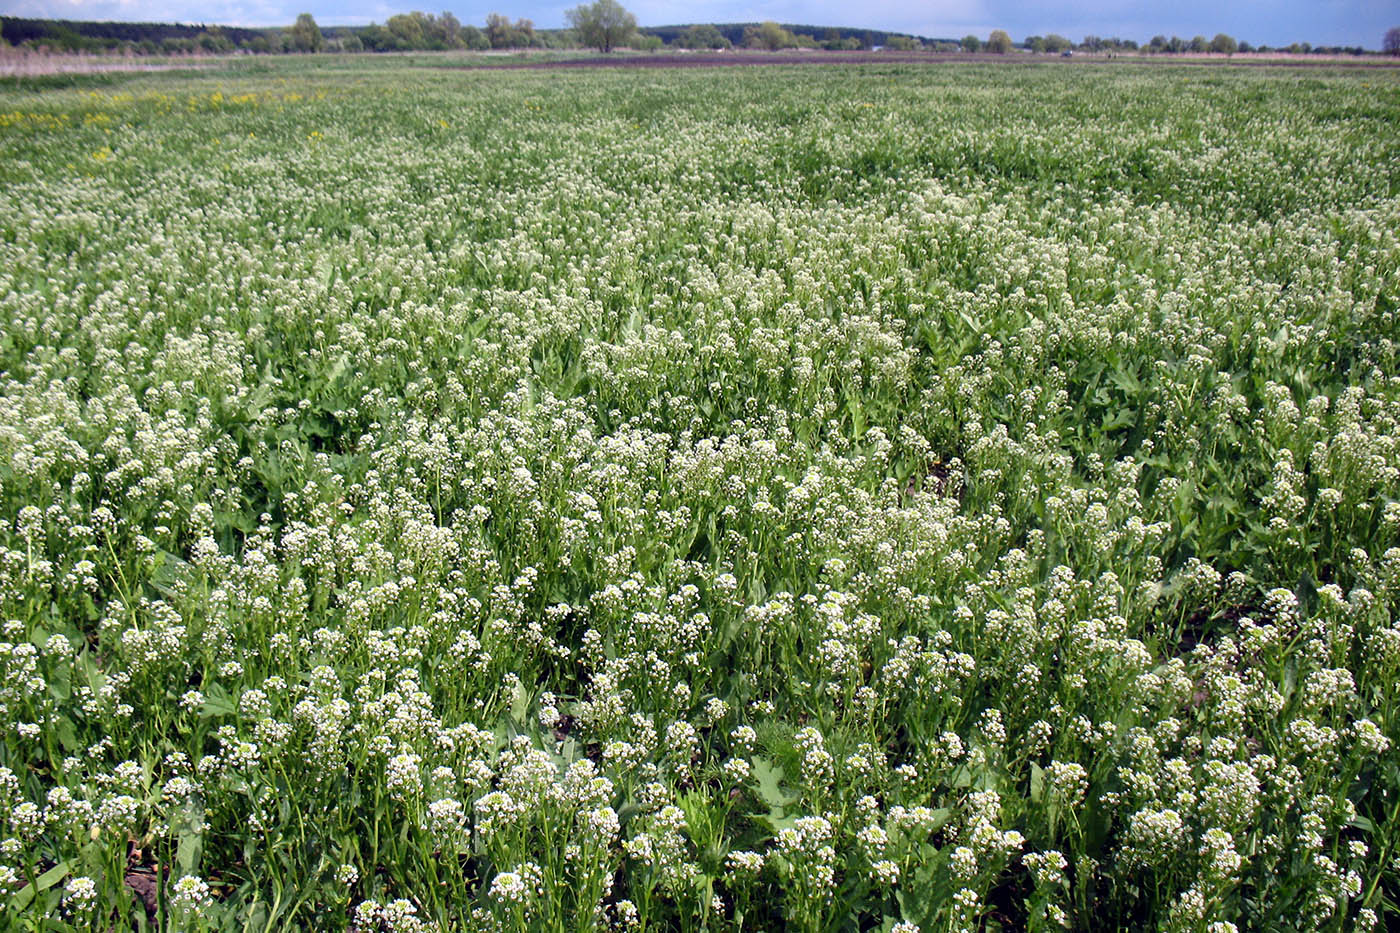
x=826, y=499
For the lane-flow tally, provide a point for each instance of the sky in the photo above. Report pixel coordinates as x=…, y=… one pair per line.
x=1262, y=22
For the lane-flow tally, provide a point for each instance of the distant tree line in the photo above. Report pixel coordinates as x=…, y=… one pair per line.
x=140, y=38
x=773, y=36
x=418, y=31
x=1221, y=44
x=602, y=24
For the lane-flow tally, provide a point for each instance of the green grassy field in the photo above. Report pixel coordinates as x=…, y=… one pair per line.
x=811, y=498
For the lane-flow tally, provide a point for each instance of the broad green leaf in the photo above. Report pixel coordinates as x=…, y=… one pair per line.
x=769, y=778
x=48, y=879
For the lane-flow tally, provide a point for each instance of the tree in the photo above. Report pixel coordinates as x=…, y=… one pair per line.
x=1391, y=43
x=475, y=39
x=971, y=43
x=306, y=35
x=407, y=30
x=502, y=34
x=1224, y=44
x=999, y=42
x=1199, y=44
x=603, y=24
x=1057, y=43
x=768, y=35
x=214, y=40
x=498, y=30
x=376, y=38
x=451, y=28
x=702, y=37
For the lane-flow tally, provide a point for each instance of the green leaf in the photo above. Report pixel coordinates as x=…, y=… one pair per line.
x=45, y=881
x=770, y=789
x=1126, y=382
x=1120, y=419
x=60, y=683
x=217, y=702
x=67, y=734
x=519, y=702
x=188, y=849
x=169, y=569
x=189, y=845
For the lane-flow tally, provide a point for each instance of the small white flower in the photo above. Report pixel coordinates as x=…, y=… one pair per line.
x=508, y=887
x=190, y=893
x=81, y=892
